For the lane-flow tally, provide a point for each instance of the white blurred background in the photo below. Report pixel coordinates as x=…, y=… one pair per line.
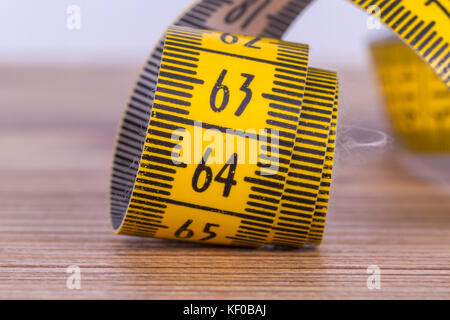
x=122, y=32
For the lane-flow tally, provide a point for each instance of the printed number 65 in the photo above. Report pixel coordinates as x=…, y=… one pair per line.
x=185, y=233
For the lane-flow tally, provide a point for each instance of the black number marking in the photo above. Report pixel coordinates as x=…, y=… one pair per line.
x=200, y=168
x=183, y=232
x=239, y=11
x=255, y=13
x=251, y=43
x=207, y=228
x=226, y=93
x=248, y=93
x=225, y=36
x=218, y=86
x=228, y=181
x=440, y=5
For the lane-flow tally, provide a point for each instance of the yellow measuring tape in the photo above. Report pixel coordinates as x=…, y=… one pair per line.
x=229, y=139
x=417, y=101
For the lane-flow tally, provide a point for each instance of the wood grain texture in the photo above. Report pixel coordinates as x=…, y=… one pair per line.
x=57, y=128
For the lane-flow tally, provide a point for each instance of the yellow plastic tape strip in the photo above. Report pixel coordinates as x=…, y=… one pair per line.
x=417, y=101
x=236, y=142
x=423, y=24
x=200, y=83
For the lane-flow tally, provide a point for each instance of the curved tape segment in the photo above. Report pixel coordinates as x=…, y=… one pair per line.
x=221, y=84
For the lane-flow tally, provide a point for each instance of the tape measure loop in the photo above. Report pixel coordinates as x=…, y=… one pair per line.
x=230, y=139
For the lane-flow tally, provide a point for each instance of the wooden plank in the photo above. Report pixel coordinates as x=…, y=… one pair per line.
x=56, y=136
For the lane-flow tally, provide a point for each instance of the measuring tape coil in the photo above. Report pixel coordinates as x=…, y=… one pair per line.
x=261, y=89
x=202, y=82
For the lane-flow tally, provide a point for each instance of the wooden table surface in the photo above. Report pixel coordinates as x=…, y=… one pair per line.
x=57, y=127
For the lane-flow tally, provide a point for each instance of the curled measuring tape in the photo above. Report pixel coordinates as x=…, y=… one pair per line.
x=212, y=87
x=221, y=100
